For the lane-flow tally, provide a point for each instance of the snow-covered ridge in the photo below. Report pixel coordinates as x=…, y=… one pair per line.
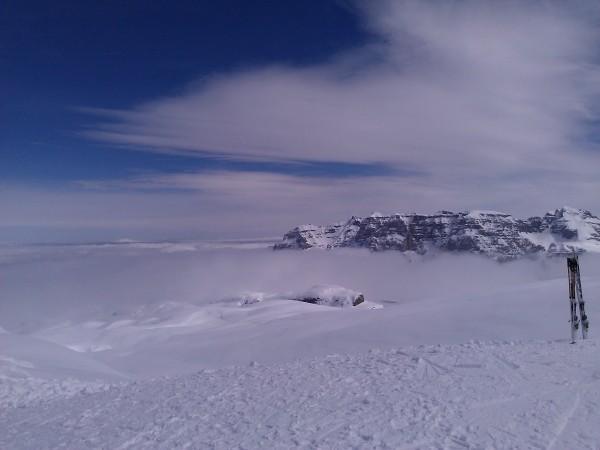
x=490, y=233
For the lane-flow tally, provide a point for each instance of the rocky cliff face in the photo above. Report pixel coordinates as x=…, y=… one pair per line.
x=494, y=234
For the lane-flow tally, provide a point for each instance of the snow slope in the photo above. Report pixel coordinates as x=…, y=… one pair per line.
x=178, y=338
x=465, y=353
x=534, y=394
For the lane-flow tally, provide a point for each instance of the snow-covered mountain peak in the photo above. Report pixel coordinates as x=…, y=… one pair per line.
x=481, y=213
x=573, y=224
x=567, y=210
x=495, y=234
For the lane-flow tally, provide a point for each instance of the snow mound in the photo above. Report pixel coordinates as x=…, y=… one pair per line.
x=330, y=295
x=250, y=298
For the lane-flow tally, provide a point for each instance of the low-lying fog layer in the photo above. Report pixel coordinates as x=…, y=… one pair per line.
x=143, y=310
x=64, y=282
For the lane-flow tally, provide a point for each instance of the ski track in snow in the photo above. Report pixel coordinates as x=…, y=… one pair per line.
x=524, y=394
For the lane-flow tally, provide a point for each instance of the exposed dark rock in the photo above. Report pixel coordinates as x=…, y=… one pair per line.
x=358, y=300
x=330, y=295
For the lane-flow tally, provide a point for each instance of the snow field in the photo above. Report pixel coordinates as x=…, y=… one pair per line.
x=532, y=394
x=176, y=338
x=465, y=353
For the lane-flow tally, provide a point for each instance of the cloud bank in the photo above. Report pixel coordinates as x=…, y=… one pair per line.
x=462, y=86
x=80, y=282
x=470, y=104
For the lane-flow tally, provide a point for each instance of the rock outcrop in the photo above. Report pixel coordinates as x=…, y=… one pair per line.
x=494, y=234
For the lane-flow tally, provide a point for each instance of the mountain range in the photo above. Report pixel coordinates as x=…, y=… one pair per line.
x=498, y=235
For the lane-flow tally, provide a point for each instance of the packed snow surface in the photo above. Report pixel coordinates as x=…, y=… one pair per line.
x=136, y=346
x=534, y=394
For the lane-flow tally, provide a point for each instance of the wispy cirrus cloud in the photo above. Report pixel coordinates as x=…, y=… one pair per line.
x=463, y=86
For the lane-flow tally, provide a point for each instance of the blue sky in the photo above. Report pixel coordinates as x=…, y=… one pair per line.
x=213, y=119
x=60, y=56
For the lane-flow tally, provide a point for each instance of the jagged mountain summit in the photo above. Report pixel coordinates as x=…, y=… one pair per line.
x=501, y=236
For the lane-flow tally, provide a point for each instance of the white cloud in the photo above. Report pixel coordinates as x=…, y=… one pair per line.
x=257, y=204
x=482, y=101
x=462, y=86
